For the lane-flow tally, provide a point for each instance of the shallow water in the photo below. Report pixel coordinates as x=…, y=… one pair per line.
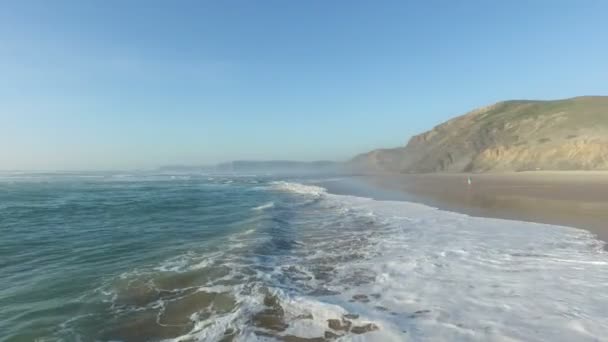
x=198, y=257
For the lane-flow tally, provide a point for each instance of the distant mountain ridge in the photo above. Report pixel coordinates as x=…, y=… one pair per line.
x=278, y=166
x=257, y=166
x=517, y=135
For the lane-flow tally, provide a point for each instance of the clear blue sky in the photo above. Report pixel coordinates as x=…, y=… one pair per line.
x=136, y=84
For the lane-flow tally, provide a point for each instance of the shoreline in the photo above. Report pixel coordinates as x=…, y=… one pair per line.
x=576, y=199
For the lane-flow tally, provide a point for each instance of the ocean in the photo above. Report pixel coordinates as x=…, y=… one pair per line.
x=199, y=257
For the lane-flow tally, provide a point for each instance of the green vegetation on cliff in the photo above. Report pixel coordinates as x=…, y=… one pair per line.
x=518, y=135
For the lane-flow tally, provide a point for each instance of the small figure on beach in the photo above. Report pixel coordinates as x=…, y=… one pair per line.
x=469, y=180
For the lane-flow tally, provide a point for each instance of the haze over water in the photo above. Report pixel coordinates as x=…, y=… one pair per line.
x=148, y=257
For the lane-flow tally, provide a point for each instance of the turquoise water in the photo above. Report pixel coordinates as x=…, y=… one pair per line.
x=158, y=257
x=65, y=237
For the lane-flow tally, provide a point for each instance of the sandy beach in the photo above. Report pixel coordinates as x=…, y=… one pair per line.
x=576, y=199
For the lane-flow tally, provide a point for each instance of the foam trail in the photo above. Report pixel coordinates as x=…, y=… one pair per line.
x=426, y=274
x=264, y=206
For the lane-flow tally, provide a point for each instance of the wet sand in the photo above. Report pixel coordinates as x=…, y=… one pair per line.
x=575, y=199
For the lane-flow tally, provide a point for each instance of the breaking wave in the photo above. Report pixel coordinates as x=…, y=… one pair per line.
x=299, y=188
x=352, y=268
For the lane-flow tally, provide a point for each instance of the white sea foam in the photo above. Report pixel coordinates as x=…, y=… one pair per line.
x=264, y=206
x=439, y=275
x=415, y=272
x=299, y=188
x=446, y=276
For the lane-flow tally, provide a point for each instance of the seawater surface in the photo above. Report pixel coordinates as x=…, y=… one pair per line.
x=144, y=257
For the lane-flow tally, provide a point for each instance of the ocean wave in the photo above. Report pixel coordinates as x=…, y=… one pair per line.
x=358, y=269
x=298, y=188
x=370, y=270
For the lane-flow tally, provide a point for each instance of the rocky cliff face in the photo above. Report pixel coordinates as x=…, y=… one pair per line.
x=569, y=134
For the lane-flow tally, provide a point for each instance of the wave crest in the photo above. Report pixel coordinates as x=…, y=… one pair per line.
x=299, y=188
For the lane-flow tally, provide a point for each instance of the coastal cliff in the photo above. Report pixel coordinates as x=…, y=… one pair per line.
x=518, y=135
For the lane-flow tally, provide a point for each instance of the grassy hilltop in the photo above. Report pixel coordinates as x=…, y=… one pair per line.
x=518, y=135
